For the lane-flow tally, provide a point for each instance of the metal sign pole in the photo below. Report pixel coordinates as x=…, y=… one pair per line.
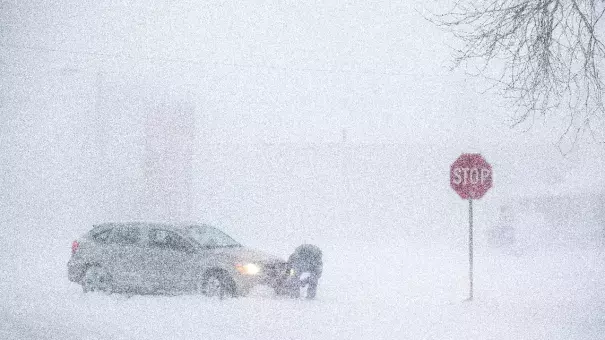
x=470, y=248
x=471, y=178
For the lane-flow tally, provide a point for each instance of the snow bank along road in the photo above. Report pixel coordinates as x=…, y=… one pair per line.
x=366, y=293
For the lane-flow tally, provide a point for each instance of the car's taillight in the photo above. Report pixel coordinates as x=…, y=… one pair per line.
x=74, y=247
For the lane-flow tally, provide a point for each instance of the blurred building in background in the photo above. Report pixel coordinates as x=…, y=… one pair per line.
x=557, y=220
x=169, y=135
x=143, y=158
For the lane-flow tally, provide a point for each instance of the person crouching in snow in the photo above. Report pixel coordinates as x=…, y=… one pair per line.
x=304, y=268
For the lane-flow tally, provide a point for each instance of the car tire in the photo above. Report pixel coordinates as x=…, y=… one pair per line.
x=217, y=284
x=97, y=279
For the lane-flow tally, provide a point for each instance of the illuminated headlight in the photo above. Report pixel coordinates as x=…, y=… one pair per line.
x=248, y=268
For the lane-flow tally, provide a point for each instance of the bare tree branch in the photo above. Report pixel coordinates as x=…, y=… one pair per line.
x=544, y=56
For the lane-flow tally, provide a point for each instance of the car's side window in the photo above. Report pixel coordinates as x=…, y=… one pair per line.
x=102, y=236
x=125, y=235
x=165, y=239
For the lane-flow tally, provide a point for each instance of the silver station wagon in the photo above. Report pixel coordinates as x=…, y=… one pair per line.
x=151, y=258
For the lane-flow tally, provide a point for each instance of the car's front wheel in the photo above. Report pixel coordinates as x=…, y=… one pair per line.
x=97, y=279
x=217, y=284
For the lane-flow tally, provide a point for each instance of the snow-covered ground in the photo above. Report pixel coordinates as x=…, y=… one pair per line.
x=367, y=292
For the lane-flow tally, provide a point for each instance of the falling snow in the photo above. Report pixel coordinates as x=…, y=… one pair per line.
x=285, y=123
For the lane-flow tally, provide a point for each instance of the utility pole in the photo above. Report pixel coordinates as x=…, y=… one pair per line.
x=345, y=200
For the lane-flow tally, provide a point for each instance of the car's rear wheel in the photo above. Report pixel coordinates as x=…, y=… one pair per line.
x=97, y=279
x=217, y=284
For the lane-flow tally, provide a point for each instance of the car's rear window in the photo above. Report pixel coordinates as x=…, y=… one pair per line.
x=101, y=235
x=125, y=235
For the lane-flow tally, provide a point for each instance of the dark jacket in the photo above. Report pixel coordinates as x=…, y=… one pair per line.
x=306, y=258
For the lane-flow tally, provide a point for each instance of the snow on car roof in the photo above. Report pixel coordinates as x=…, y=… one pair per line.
x=171, y=225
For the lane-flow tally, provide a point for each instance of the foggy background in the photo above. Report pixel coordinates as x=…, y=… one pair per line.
x=279, y=122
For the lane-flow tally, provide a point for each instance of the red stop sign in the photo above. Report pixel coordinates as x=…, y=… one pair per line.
x=471, y=176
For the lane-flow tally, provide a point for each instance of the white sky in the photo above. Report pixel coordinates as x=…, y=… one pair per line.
x=297, y=72
x=266, y=71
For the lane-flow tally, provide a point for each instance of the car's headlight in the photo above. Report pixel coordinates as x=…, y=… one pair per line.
x=248, y=268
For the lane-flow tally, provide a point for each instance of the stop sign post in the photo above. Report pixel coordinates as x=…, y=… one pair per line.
x=471, y=178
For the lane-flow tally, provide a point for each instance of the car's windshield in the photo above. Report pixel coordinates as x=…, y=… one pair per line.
x=211, y=237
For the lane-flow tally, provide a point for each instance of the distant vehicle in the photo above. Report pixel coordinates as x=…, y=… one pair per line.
x=152, y=258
